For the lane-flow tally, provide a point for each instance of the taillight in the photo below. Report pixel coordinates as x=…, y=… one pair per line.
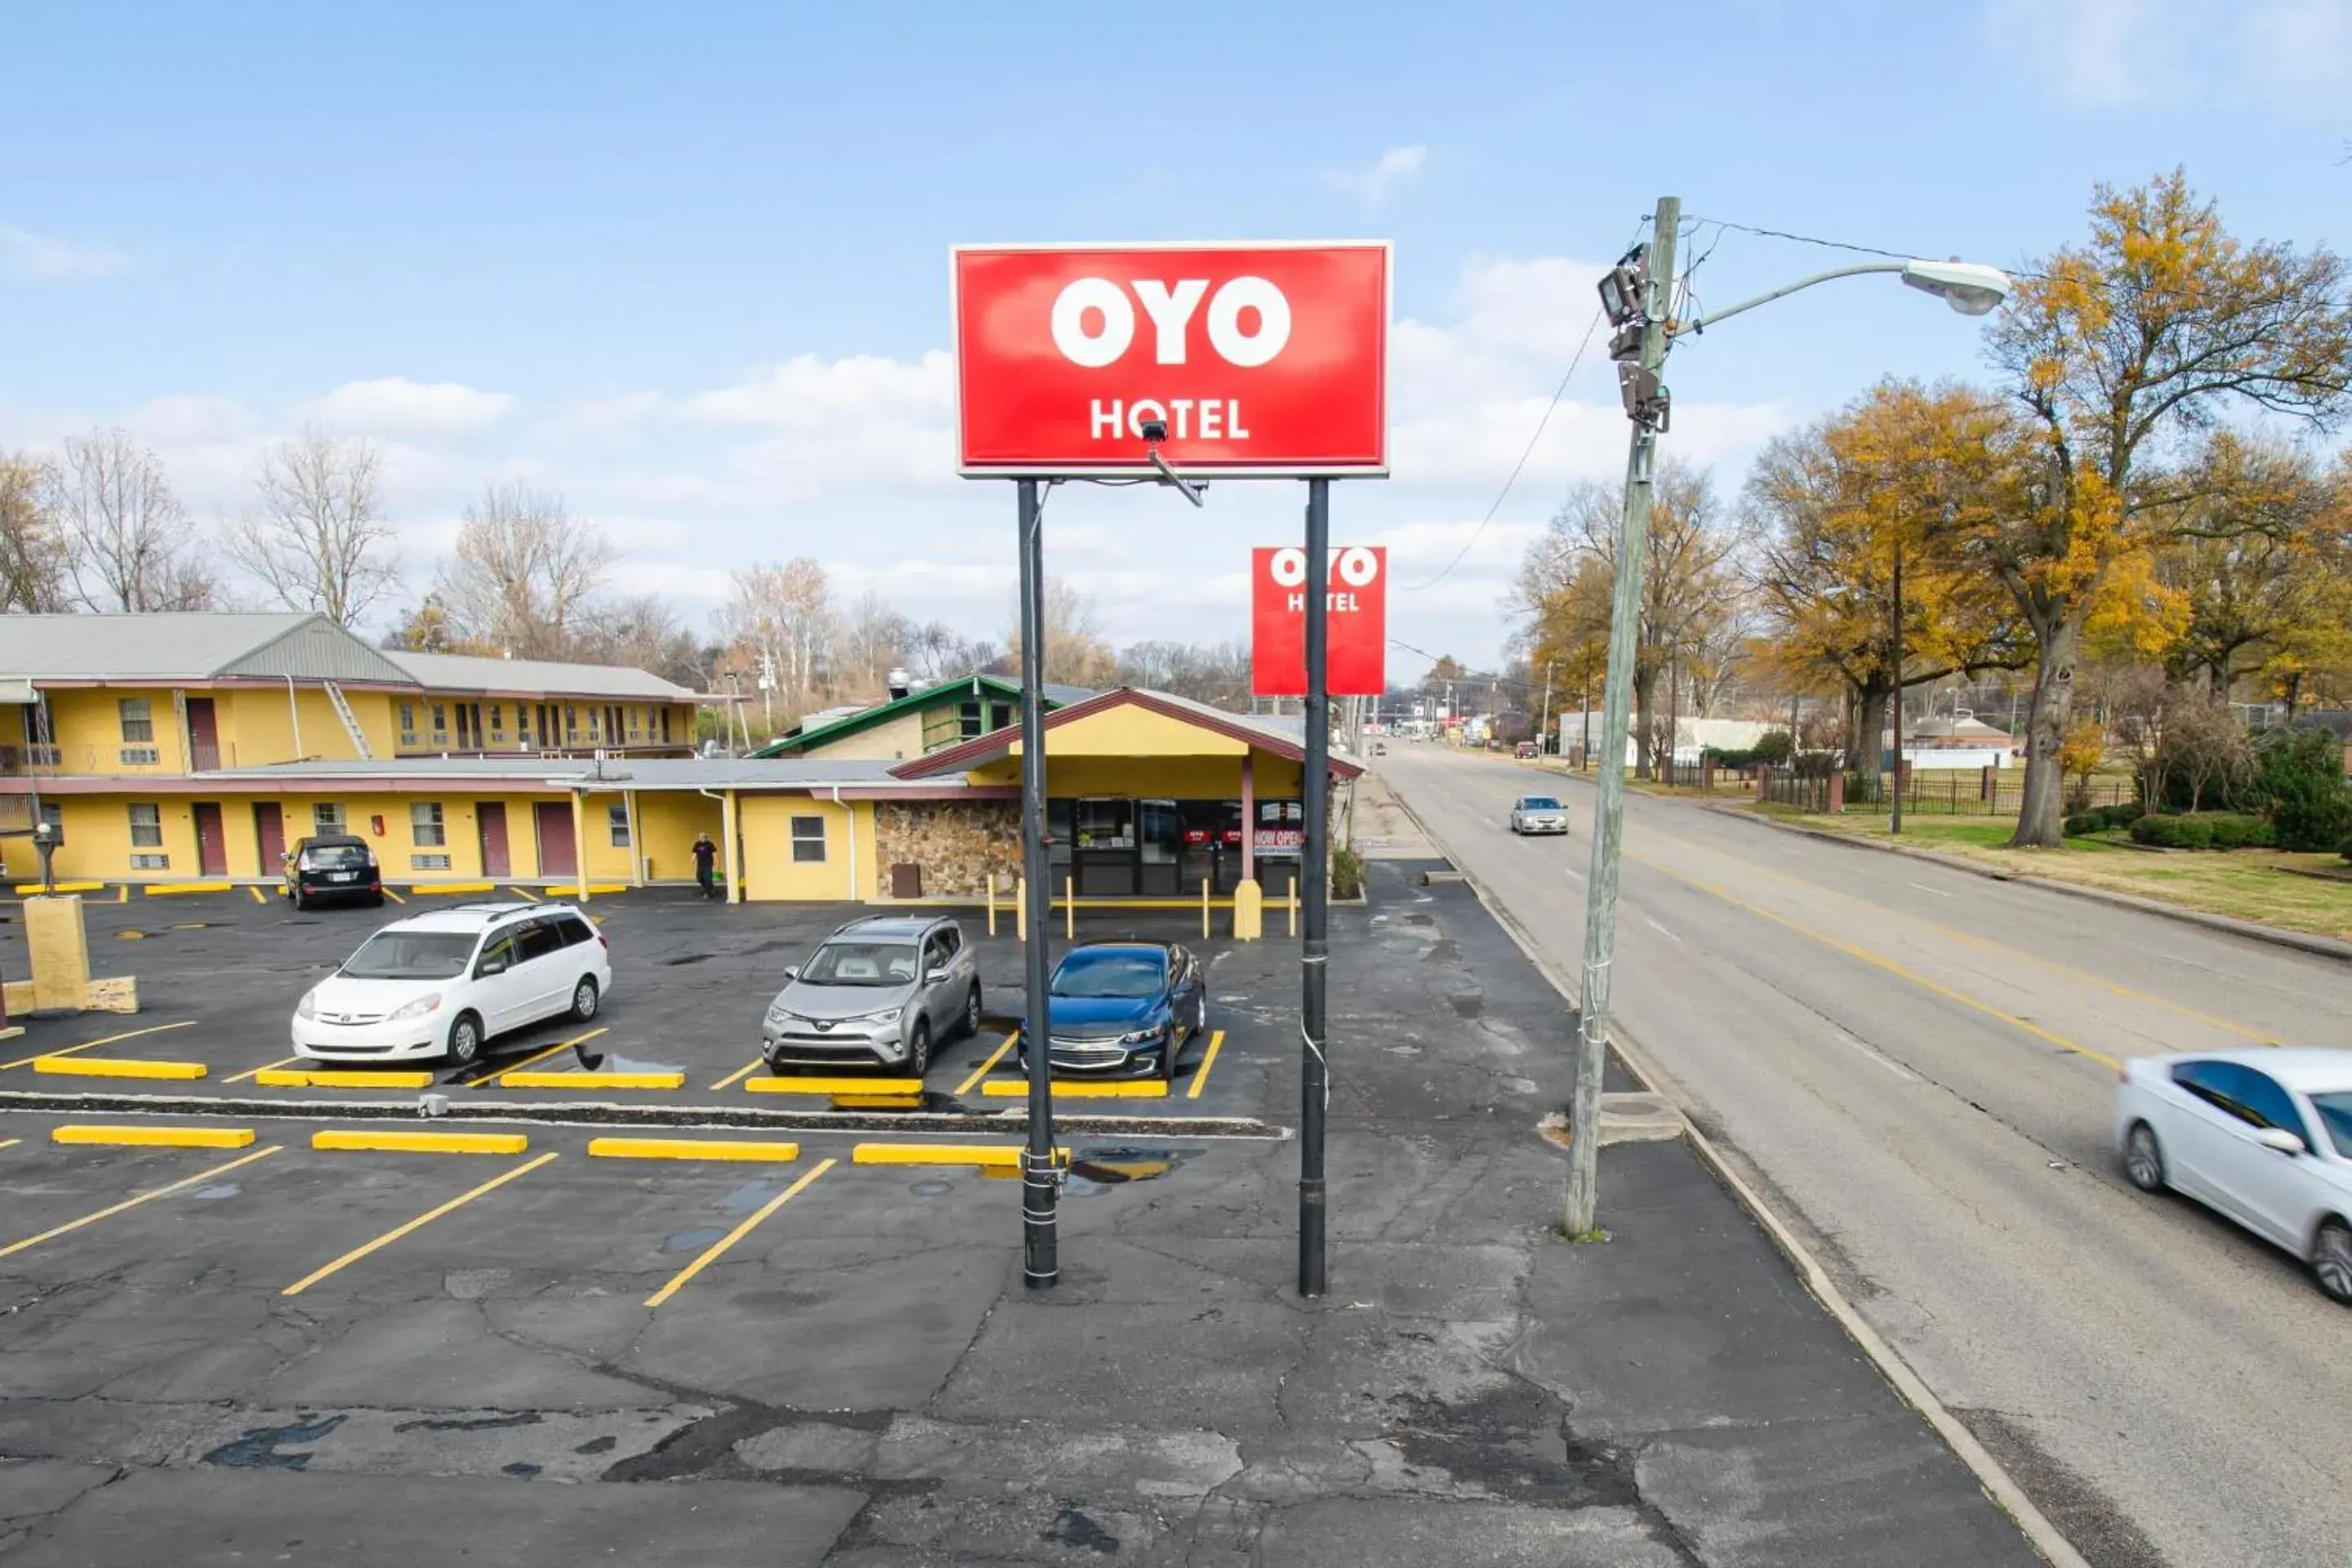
x=601, y=943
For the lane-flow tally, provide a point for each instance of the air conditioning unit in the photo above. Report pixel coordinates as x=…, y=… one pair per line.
x=600, y=754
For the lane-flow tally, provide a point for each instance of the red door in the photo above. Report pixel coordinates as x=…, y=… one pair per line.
x=269, y=835
x=492, y=818
x=204, y=737
x=211, y=845
x=556, y=856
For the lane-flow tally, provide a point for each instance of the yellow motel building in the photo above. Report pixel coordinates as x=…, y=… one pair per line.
x=197, y=748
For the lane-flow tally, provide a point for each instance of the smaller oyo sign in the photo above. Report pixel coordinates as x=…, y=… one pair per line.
x=1355, y=597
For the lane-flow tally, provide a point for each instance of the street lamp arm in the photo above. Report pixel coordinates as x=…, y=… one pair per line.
x=1680, y=328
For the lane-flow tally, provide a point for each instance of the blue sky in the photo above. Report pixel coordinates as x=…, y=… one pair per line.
x=687, y=263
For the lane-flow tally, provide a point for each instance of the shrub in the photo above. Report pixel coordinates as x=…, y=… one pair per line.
x=1731, y=758
x=2233, y=830
x=2165, y=830
x=2300, y=778
x=2083, y=824
x=2345, y=848
x=1347, y=874
x=1773, y=748
x=2122, y=815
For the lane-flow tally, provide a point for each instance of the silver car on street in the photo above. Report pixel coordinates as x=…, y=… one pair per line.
x=1538, y=814
x=884, y=990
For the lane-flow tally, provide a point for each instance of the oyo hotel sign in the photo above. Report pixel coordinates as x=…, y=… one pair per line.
x=1259, y=360
x=1356, y=602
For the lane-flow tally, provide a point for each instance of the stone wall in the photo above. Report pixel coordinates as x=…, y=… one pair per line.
x=957, y=843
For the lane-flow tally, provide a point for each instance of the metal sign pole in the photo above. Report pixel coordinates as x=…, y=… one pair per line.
x=1314, y=1078
x=1041, y=1178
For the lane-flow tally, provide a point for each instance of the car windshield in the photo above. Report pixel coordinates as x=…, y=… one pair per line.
x=412, y=955
x=1110, y=975
x=1537, y=803
x=861, y=964
x=2335, y=1115
x=334, y=856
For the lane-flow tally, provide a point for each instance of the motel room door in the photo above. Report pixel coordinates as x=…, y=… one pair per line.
x=491, y=820
x=558, y=856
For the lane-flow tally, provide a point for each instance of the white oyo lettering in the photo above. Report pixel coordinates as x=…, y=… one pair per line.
x=1144, y=412
x=1093, y=350
x=1225, y=334
x=1338, y=604
x=1169, y=311
x=1208, y=418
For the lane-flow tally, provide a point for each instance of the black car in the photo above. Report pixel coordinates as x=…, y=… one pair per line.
x=333, y=870
x=1124, y=1007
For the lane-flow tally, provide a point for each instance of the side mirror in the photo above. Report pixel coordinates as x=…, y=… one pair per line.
x=490, y=967
x=935, y=977
x=2281, y=1140
x=792, y=971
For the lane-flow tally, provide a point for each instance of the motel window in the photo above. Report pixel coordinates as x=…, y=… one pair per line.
x=146, y=827
x=497, y=720
x=665, y=716
x=138, y=720
x=440, y=720
x=808, y=840
x=570, y=722
x=968, y=721
x=326, y=819
x=616, y=818
x=425, y=823
x=408, y=718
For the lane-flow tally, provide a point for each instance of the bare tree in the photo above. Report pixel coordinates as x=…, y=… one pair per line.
x=127, y=538
x=524, y=574
x=33, y=555
x=644, y=632
x=784, y=615
x=1076, y=652
x=2207, y=750
x=875, y=639
x=316, y=537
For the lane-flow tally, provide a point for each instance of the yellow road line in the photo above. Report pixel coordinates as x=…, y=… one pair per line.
x=1201, y=1073
x=256, y=894
x=719, y=1247
x=117, y=1067
x=592, y=1081
x=738, y=1076
x=691, y=1149
x=204, y=1175
x=158, y=1137
x=375, y=1143
x=1891, y=966
x=987, y=1156
x=984, y=1069
x=266, y=1066
x=122, y=894
x=314, y=1078
x=524, y=893
x=889, y=1087
x=395, y=898
x=389, y=1236
x=93, y=1045
x=537, y=1057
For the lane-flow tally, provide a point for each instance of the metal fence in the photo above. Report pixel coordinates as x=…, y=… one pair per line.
x=1942, y=793
x=1804, y=792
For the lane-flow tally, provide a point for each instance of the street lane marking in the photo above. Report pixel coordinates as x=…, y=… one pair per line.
x=1925, y=889
x=1660, y=930
x=1890, y=965
x=738, y=1076
x=1889, y=1063
x=395, y=898
x=719, y=1247
x=116, y=1067
x=536, y=1058
x=692, y=1149
x=159, y=1137
x=1201, y=1073
x=983, y=1070
x=93, y=1045
x=389, y=1236
x=592, y=1080
x=256, y=894
x=204, y=1175
x=374, y=1142
x=266, y=1066
x=9, y=1142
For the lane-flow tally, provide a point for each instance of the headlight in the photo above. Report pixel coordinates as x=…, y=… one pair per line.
x=777, y=1014
x=416, y=1009
x=888, y=1016
x=308, y=1006
x=1144, y=1036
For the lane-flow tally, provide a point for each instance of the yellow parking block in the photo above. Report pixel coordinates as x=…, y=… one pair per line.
x=156, y=1137
x=374, y=1142
x=877, y=1102
x=419, y=888
x=1081, y=1089
x=116, y=1067
x=32, y=890
x=307, y=1077
x=987, y=1156
x=897, y=1087
x=605, y=889
x=691, y=1149
x=170, y=889
x=592, y=1080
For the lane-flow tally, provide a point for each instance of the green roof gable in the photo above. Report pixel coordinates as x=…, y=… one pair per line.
x=964, y=688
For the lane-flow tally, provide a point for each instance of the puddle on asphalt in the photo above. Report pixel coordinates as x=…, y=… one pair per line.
x=746, y=1198
x=1099, y=1170
x=213, y=1193
x=257, y=1449
x=1468, y=1005
x=691, y=1240
x=932, y=1189
x=686, y=958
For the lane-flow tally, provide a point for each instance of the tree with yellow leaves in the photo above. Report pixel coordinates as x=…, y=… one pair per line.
x=2114, y=351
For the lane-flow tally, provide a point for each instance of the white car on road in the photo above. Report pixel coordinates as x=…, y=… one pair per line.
x=444, y=982
x=1538, y=814
x=2262, y=1136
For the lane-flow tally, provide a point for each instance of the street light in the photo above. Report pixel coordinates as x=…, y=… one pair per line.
x=1636, y=295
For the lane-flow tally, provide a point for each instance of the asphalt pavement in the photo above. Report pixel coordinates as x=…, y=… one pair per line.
x=1915, y=1066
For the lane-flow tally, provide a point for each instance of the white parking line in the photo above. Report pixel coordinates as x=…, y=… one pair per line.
x=1659, y=929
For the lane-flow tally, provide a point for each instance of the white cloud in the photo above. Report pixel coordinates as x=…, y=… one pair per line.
x=612, y=413
x=47, y=256
x=396, y=405
x=2274, y=54
x=1374, y=183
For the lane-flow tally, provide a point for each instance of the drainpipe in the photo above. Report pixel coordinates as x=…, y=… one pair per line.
x=853, y=846
x=636, y=838
x=726, y=830
x=294, y=715
x=1249, y=815
x=580, y=841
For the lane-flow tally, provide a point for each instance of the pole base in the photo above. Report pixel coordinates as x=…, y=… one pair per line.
x=1041, y=1191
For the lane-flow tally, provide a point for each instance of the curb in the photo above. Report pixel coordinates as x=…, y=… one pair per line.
x=2275, y=936
x=1999, y=1485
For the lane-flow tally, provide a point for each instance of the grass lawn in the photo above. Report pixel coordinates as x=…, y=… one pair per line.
x=2250, y=884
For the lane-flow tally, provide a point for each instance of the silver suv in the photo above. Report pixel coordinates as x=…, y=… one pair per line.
x=887, y=989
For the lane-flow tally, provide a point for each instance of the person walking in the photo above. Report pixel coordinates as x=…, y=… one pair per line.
x=706, y=858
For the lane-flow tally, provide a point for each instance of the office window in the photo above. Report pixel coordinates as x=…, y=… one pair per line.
x=326, y=818
x=808, y=840
x=138, y=720
x=425, y=823
x=616, y=818
x=146, y=827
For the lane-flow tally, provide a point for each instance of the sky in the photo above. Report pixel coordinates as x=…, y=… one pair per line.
x=686, y=264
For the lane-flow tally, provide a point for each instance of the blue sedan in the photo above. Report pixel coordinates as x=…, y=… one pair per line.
x=1129, y=1008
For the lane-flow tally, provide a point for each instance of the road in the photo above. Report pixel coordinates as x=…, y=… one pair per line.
x=1915, y=1064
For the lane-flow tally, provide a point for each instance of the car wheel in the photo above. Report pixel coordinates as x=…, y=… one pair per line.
x=1168, y=1054
x=2142, y=1159
x=584, y=998
x=2331, y=1261
x=465, y=1041
x=971, y=1012
x=918, y=1050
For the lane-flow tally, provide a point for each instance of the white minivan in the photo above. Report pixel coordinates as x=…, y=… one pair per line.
x=444, y=982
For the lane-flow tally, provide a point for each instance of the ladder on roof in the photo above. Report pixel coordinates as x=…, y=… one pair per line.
x=350, y=720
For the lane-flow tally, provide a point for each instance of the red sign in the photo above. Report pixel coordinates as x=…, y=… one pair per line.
x=1356, y=595
x=1268, y=360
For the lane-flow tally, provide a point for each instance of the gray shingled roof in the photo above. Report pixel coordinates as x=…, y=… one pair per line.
x=190, y=645
x=642, y=773
x=537, y=676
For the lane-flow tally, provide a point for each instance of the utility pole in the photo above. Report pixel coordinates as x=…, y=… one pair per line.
x=1895, y=823
x=1543, y=729
x=1646, y=402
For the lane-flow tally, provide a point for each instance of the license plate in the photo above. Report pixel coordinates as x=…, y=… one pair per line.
x=343, y=877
